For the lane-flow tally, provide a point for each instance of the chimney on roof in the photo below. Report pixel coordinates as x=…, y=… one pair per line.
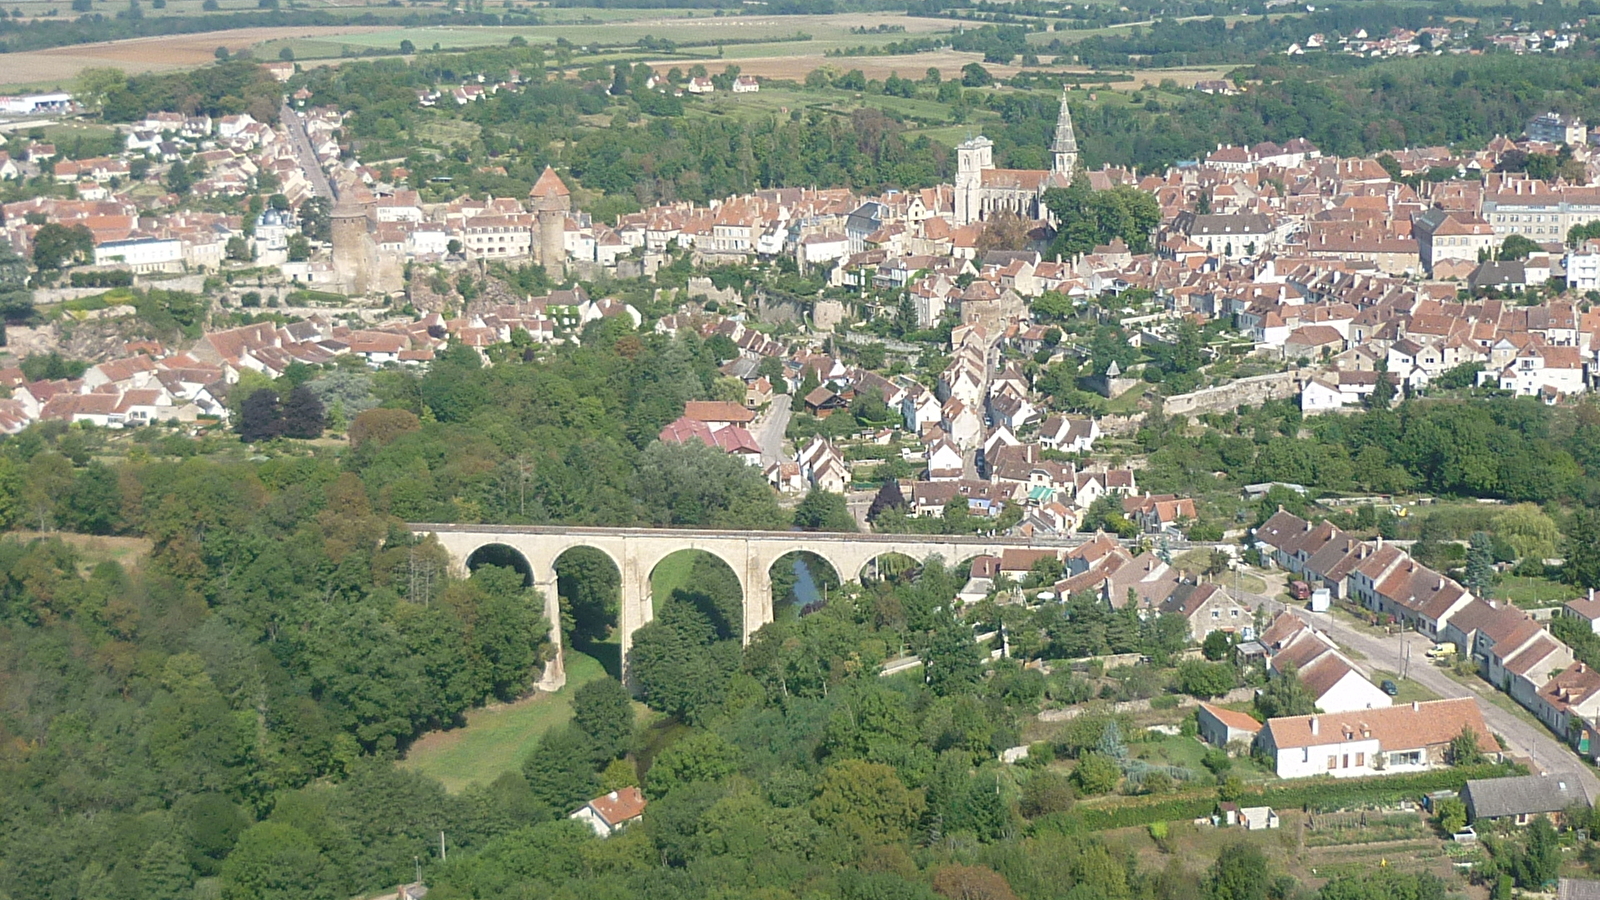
x=1416, y=706
x=1314, y=729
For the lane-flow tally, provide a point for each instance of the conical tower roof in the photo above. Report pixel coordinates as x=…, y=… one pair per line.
x=1066, y=140
x=549, y=185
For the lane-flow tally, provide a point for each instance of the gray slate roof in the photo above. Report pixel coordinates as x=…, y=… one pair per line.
x=1578, y=889
x=1492, y=798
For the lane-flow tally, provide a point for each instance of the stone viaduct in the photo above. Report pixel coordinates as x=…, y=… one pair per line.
x=750, y=554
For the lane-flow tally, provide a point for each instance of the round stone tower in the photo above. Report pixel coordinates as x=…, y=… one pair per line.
x=349, y=223
x=551, y=203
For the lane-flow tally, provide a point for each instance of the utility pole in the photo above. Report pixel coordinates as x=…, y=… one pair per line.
x=442, y=857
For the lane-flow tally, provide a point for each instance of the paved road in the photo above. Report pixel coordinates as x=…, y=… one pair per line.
x=770, y=433
x=296, y=127
x=1546, y=750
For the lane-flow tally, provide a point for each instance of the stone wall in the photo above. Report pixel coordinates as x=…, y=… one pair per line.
x=1111, y=388
x=1237, y=695
x=1121, y=425
x=827, y=314
x=703, y=287
x=1228, y=397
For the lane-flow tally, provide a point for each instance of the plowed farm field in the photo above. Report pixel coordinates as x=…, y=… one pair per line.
x=59, y=65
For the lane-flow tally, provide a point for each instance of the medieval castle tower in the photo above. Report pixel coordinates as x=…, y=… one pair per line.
x=551, y=203
x=354, y=251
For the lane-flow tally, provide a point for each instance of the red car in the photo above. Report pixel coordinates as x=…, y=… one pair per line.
x=1300, y=590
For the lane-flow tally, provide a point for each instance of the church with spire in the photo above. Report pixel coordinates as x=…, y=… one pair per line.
x=982, y=190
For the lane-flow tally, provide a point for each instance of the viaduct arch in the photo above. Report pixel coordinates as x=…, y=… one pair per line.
x=750, y=554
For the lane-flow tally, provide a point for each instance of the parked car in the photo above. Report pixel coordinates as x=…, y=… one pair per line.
x=1442, y=651
x=1300, y=590
x=1389, y=687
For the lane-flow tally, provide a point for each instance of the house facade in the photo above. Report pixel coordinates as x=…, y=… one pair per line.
x=1413, y=738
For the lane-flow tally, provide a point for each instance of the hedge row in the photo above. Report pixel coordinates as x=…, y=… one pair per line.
x=1315, y=794
x=111, y=278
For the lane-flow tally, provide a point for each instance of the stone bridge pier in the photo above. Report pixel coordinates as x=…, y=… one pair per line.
x=749, y=554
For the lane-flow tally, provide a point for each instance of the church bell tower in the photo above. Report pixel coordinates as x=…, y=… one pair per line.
x=1064, y=149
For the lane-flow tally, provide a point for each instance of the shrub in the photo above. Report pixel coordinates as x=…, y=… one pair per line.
x=1097, y=774
x=1311, y=793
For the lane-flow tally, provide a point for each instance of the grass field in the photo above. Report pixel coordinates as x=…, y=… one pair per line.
x=496, y=738
x=610, y=28
x=59, y=65
x=1533, y=592
x=129, y=552
x=669, y=575
x=1196, y=561
x=790, y=47
x=1409, y=690
x=1171, y=750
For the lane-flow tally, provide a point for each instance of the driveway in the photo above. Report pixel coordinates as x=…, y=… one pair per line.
x=1546, y=750
x=769, y=433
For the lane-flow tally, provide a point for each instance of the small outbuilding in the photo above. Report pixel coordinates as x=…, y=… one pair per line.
x=612, y=812
x=1521, y=799
x=1220, y=727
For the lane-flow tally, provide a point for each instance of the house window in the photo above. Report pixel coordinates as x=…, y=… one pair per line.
x=1333, y=763
x=1361, y=760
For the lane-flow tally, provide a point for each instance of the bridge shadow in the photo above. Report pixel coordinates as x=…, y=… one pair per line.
x=589, y=586
x=607, y=652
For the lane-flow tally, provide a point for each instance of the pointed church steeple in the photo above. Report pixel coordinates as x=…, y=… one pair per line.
x=1064, y=148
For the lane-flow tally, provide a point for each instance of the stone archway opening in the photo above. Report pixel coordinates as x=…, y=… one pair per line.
x=504, y=556
x=892, y=566
x=705, y=583
x=508, y=566
x=801, y=581
x=589, y=585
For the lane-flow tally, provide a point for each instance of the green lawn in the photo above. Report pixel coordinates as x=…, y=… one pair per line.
x=1533, y=592
x=1409, y=690
x=1128, y=401
x=669, y=575
x=494, y=740
x=1171, y=750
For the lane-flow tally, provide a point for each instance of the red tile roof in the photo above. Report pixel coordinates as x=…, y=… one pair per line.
x=619, y=806
x=1396, y=727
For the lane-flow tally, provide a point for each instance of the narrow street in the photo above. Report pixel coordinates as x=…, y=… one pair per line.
x=1546, y=750
x=771, y=429
x=302, y=148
